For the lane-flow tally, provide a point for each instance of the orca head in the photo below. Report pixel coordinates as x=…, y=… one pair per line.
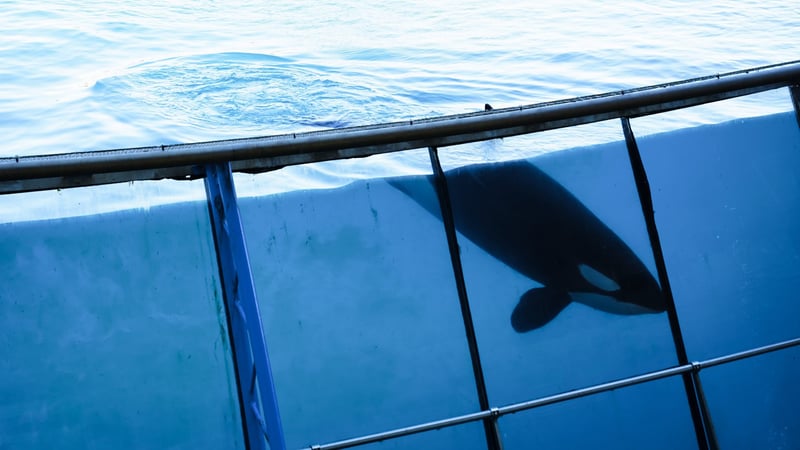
x=635, y=288
x=641, y=289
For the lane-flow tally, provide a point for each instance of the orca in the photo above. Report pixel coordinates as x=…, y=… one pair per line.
x=524, y=218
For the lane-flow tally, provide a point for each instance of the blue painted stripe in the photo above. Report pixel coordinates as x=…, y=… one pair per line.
x=259, y=406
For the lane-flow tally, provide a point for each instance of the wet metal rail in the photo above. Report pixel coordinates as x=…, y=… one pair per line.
x=253, y=155
x=496, y=412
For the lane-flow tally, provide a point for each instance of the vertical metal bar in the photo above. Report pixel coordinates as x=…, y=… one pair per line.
x=646, y=200
x=251, y=360
x=701, y=398
x=794, y=91
x=493, y=440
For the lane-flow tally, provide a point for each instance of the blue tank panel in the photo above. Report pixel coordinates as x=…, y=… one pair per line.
x=114, y=334
x=360, y=311
x=753, y=403
x=554, y=249
x=727, y=201
x=652, y=416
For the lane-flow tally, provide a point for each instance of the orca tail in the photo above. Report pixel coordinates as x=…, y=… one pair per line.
x=537, y=307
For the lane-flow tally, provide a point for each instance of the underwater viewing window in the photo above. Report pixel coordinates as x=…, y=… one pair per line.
x=552, y=243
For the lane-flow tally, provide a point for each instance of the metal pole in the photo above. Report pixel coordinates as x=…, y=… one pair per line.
x=711, y=433
x=704, y=438
x=493, y=440
x=794, y=92
x=258, y=400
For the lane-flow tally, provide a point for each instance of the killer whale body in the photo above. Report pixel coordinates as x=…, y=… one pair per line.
x=524, y=218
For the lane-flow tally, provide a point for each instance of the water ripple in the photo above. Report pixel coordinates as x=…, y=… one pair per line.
x=245, y=93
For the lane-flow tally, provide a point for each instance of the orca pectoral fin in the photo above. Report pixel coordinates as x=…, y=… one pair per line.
x=537, y=307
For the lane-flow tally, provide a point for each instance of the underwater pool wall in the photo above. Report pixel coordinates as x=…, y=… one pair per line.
x=115, y=332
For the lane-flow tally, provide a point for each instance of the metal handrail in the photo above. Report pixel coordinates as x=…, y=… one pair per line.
x=558, y=398
x=253, y=155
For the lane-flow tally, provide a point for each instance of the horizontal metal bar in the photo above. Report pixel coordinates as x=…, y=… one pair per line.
x=578, y=393
x=558, y=398
x=747, y=354
x=400, y=432
x=268, y=153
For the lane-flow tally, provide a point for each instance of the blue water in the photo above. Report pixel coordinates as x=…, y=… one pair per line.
x=94, y=75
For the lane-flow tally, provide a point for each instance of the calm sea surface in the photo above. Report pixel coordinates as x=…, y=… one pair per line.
x=94, y=75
